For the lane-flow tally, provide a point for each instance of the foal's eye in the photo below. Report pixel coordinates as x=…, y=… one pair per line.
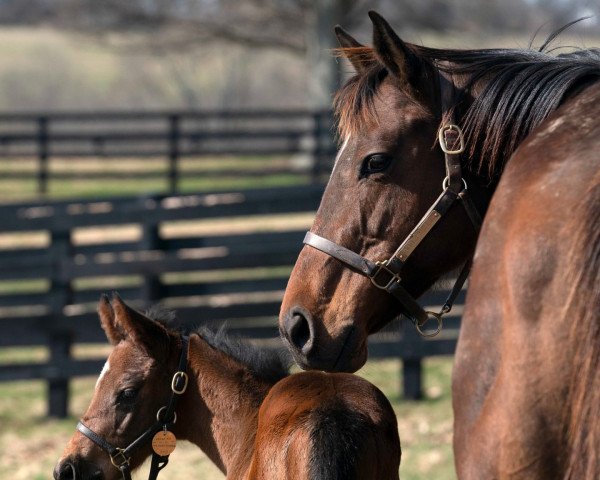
x=127, y=396
x=375, y=163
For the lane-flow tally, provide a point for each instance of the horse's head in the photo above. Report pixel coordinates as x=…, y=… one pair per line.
x=133, y=386
x=388, y=172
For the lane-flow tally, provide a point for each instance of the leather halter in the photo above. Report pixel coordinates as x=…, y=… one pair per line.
x=165, y=417
x=386, y=274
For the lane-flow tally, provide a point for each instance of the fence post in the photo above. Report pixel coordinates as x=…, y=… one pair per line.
x=60, y=340
x=412, y=370
x=412, y=366
x=42, y=140
x=151, y=285
x=58, y=385
x=174, y=131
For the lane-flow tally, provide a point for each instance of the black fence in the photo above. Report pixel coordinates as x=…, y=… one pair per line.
x=44, y=139
x=188, y=251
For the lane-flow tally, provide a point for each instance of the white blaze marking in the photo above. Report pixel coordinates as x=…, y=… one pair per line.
x=341, y=150
x=105, y=369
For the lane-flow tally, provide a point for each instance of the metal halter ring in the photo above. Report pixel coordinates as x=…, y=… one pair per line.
x=446, y=180
x=165, y=420
x=430, y=333
x=122, y=457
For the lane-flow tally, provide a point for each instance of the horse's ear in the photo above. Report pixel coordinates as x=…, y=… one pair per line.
x=143, y=331
x=392, y=51
x=357, y=54
x=107, y=321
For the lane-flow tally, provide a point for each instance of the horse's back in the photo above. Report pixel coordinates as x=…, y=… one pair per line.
x=529, y=304
x=315, y=425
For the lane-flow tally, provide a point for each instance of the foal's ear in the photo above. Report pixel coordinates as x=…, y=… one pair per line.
x=143, y=331
x=401, y=62
x=107, y=321
x=357, y=54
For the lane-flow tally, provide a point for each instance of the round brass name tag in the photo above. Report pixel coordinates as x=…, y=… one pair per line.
x=164, y=443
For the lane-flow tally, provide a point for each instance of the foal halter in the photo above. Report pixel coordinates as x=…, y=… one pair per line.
x=385, y=274
x=165, y=417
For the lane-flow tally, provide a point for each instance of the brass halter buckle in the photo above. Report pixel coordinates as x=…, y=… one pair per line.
x=382, y=266
x=442, y=138
x=119, y=459
x=175, y=381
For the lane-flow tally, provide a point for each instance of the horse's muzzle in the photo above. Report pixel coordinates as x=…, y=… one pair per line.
x=76, y=469
x=314, y=351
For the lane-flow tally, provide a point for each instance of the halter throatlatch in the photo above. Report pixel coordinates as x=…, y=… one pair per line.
x=386, y=274
x=165, y=418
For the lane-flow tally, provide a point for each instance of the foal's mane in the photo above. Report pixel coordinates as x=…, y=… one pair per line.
x=271, y=364
x=522, y=88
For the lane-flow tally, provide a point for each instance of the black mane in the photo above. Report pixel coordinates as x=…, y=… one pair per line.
x=271, y=364
x=522, y=88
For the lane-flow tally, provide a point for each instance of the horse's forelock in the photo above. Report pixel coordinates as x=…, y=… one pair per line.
x=353, y=103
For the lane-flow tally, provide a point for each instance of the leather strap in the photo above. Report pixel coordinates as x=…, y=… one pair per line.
x=348, y=257
x=427, y=222
x=471, y=209
x=97, y=439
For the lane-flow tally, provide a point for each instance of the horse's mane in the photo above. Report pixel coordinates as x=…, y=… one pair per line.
x=271, y=364
x=523, y=87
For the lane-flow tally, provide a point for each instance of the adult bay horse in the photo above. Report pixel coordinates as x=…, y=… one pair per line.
x=234, y=401
x=432, y=139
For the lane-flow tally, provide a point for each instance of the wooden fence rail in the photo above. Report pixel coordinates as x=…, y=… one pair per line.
x=172, y=135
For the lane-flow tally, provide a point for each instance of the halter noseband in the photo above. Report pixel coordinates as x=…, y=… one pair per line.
x=165, y=417
x=385, y=274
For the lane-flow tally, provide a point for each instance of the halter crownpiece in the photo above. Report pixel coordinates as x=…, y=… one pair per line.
x=165, y=417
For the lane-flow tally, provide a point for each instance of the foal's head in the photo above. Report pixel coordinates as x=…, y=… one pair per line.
x=134, y=385
x=387, y=173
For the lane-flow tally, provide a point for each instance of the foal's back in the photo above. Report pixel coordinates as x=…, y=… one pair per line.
x=315, y=425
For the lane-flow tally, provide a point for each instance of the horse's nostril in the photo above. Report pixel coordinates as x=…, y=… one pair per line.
x=299, y=331
x=66, y=471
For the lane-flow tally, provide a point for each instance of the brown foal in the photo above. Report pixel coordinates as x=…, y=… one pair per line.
x=240, y=406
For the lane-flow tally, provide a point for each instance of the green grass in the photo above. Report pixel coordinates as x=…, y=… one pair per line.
x=30, y=443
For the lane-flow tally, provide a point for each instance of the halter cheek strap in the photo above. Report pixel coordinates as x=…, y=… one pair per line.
x=165, y=417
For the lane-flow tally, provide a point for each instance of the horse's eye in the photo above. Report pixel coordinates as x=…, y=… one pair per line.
x=375, y=163
x=127, y=396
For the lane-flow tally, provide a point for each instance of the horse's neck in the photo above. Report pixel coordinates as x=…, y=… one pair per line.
x=223, y=401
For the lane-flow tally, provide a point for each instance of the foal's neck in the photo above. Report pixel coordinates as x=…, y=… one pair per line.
x=219, y=412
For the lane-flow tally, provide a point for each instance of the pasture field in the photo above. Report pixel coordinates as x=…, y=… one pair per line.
x=124, y=181
x=30, y=444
